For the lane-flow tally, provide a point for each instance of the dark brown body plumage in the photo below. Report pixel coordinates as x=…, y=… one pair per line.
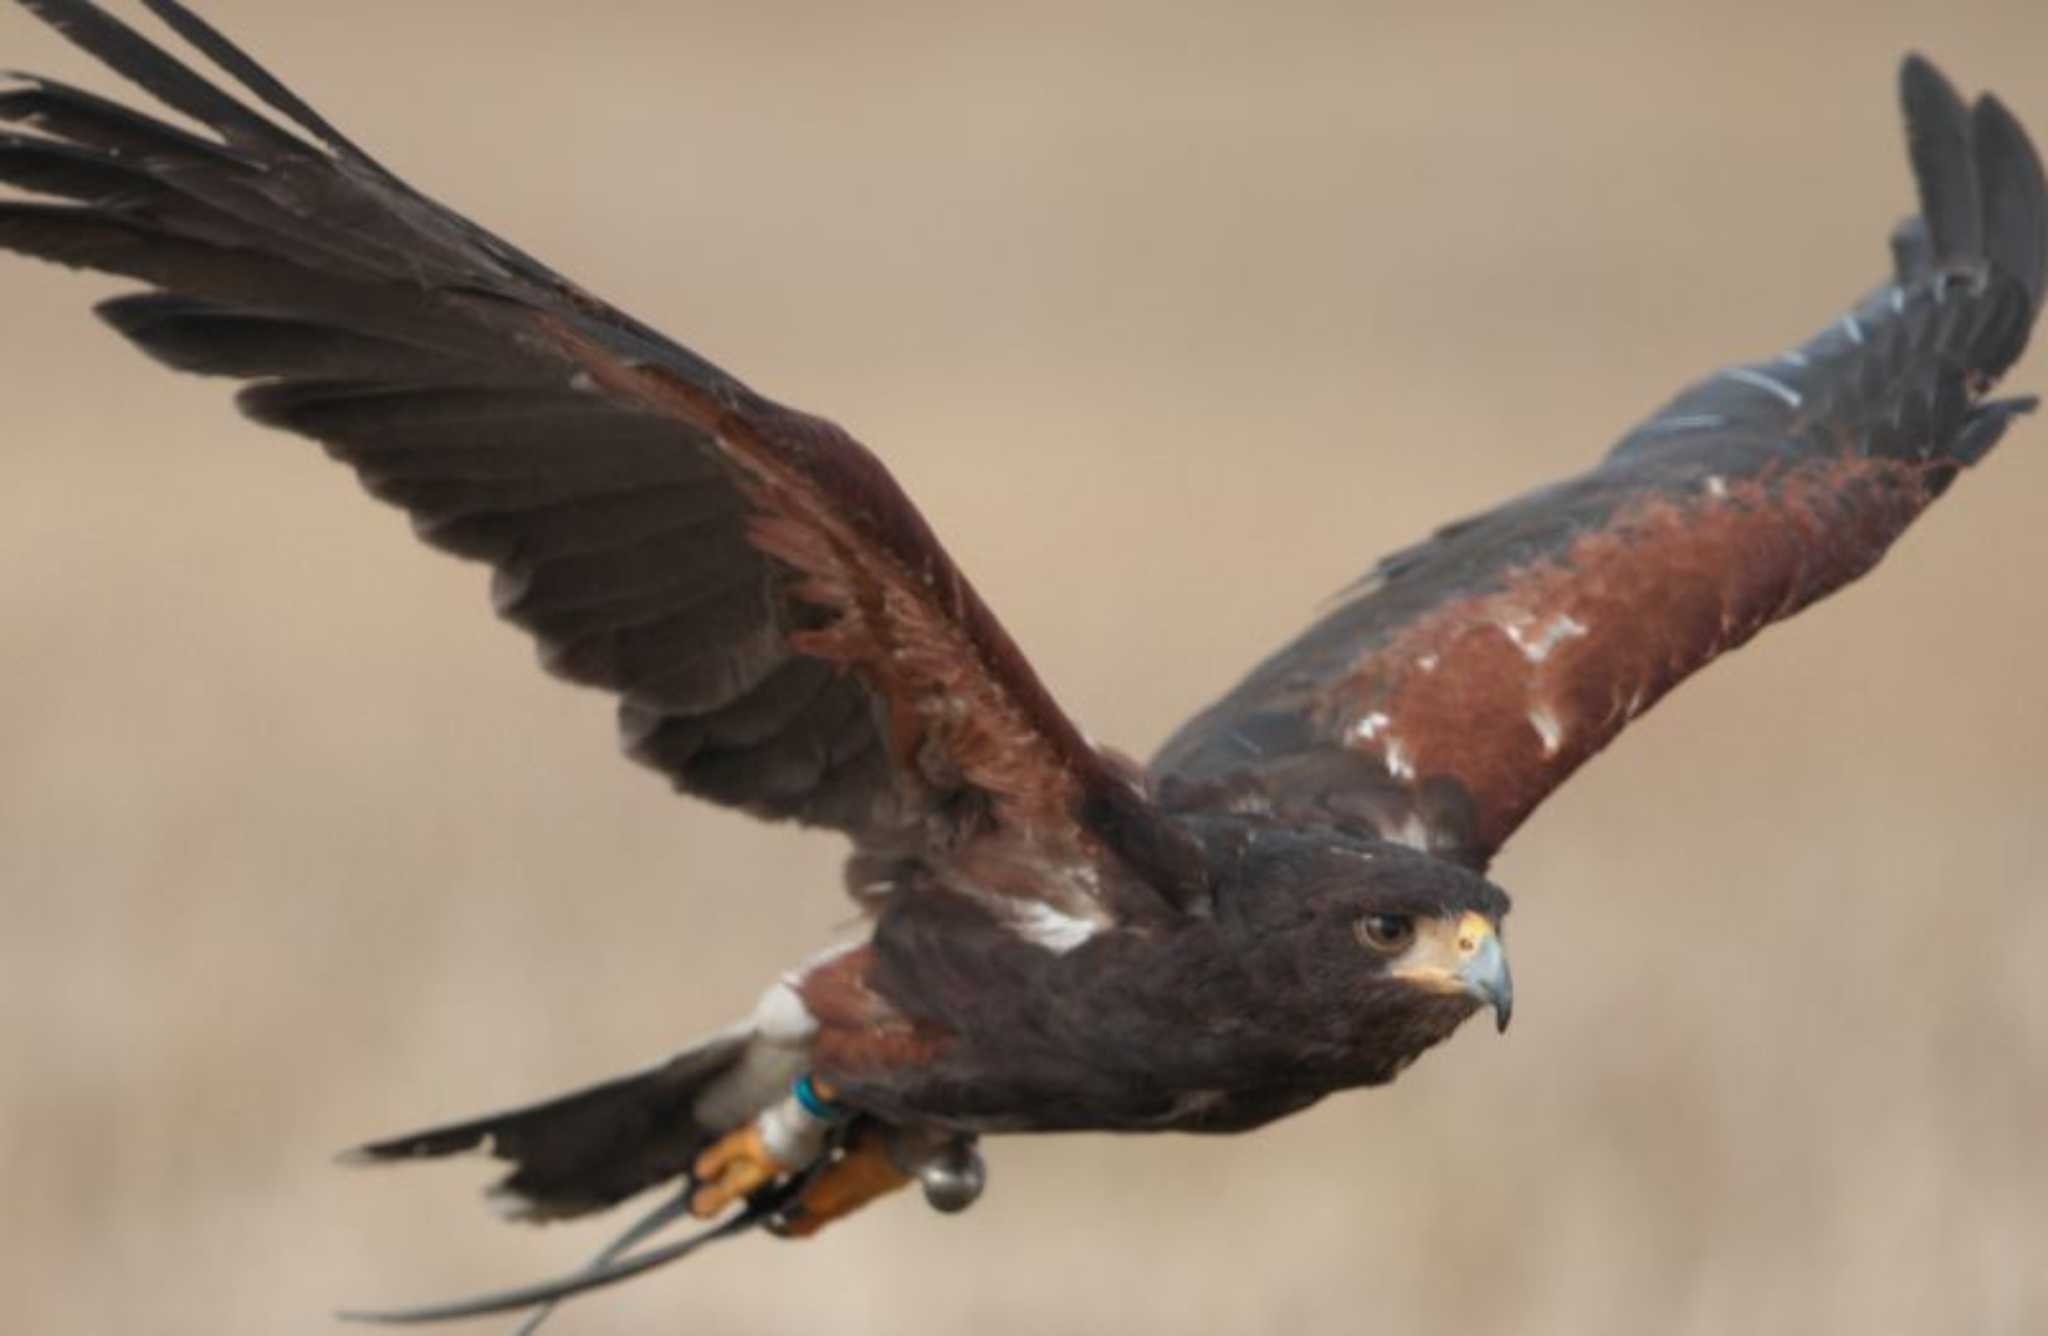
x=1217, y=1021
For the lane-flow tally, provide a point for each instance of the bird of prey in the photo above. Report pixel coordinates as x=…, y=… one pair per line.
x=1289, y=900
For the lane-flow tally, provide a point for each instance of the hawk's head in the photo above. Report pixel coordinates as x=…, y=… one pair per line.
x=1380, y=951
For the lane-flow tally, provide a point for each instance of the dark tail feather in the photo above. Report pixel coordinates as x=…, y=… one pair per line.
x=591, y=1148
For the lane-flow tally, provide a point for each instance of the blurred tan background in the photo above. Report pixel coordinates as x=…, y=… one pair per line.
x=1172, y=317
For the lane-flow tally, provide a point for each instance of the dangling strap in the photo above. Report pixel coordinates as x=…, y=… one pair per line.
x=610, y=1267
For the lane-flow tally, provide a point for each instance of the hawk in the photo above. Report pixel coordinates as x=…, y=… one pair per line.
x=1289, y=900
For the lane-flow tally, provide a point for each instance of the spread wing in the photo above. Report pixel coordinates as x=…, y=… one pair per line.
x=1469, y=675
x=784, y=631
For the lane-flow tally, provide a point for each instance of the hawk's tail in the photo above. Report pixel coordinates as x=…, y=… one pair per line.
x=594, y=1147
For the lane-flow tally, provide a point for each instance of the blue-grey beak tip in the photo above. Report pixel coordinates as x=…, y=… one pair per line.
x=1488, y=977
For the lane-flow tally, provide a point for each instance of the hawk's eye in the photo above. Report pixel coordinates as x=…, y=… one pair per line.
x=1386, y=933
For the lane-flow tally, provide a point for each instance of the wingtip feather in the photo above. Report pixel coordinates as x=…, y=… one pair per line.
x=133, y=56
x=2015, y=196
x=1944, y=163
x=245, y=70
x=1983, y=200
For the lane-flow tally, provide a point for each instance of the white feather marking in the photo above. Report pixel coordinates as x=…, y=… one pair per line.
x=1677, y=422
x=583, y=383
x=1898, y=300
x=1635, y=704
x=824, y=956
x=1045, y=926
x=1191, y=1102
x=1793, y=357
x=1717, y=486
x=1548, y=728
x=1536, y=647
x=1411, y=832
x=510, y=1203
x=1852, y=327
x=782, y=1028
x=1368, y=728
x=1040, y=922
x=1366, y=585
x=1398, y=764
x=1428, y=663
x=1085, y=882
x=1769, y=384
x=781, y=1017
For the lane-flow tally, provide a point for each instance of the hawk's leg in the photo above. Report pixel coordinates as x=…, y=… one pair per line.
x=880, y=1159
x=868, y=1169
x=875, y=1160
x=735, y=1166
x=786, y=1137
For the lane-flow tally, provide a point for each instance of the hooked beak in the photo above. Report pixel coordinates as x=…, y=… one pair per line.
x=1463, y=957
x=1485, y=974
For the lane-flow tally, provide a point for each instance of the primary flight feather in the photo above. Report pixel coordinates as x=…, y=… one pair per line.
x=1290, y=900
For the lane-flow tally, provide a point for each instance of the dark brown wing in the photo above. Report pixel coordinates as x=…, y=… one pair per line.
x=787, y=635
x=1470, y=675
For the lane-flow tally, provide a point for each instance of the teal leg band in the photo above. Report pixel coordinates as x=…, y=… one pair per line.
x=824, y=1110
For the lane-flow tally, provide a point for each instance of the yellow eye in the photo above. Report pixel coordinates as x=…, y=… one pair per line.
x=1386, y=933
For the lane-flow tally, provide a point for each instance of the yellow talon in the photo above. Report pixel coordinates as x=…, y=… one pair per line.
x=733, y=1167
x=866, y=1171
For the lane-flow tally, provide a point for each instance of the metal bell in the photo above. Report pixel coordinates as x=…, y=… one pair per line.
x=953, y=1177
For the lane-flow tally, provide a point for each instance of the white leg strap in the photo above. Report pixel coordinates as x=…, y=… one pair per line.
x=791, y=1133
